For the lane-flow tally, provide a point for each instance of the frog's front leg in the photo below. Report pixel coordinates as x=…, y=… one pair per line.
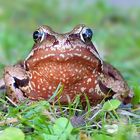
x=15, y=77
x=113, y=83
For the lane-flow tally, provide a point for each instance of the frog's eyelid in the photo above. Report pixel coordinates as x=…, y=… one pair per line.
x=43, y=35
x=44, y=32
x=81, y=36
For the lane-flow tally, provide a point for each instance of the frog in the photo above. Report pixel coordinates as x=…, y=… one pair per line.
x=71, y=59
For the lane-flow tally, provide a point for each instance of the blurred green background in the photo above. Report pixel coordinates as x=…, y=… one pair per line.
x=116, y=29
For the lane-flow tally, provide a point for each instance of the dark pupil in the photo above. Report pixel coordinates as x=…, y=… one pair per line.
x=87, y=35
x=36, y=36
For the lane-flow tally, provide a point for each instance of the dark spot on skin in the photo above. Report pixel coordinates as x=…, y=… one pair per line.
x=111, y=71
x=67, y=42
x=16, y=85
x=105, y=89
x=112, y=75
x=74, y=36
x=21, y=64
x=26, y=67
x=50, y=38
x=56, y=42
x=127, y=100
x=20, y=83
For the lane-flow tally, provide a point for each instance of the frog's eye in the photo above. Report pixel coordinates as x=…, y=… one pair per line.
x=86, y=34
x=38, y=36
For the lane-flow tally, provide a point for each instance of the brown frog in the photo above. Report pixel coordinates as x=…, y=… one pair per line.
x=70, y=59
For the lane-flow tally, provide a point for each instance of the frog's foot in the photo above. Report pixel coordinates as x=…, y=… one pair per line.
x=12, y=73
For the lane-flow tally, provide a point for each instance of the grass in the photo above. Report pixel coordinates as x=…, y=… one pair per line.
x=45, y=121
x=117, y=38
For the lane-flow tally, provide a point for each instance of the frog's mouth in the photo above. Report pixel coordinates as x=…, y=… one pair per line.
x=82, y=55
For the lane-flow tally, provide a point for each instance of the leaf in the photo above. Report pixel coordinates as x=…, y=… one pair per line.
x=111, y=105
x=101, y=137
x=61, y=129
x=50, y=137
x=62, y=125
x=12, y=133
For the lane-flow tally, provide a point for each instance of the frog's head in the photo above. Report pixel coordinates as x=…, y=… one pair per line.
x=69, y=47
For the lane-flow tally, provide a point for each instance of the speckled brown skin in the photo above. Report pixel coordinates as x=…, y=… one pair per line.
x=67, y=59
